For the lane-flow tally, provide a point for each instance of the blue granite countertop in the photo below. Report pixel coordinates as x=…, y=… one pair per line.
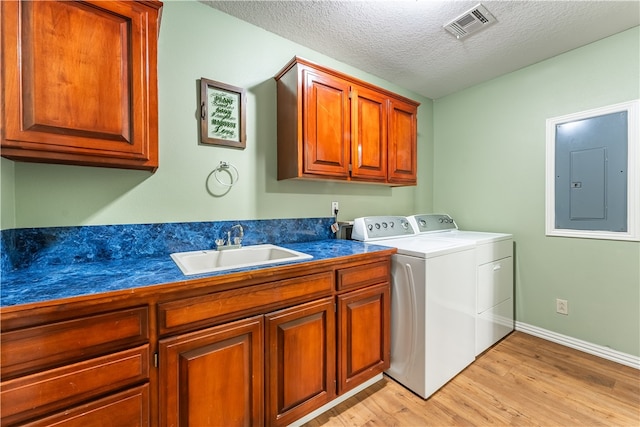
x=40, y=282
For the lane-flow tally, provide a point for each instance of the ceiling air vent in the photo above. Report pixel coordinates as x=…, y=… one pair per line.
x=472, y=21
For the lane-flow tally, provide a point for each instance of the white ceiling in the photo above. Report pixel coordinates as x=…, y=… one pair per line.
x=403, y=41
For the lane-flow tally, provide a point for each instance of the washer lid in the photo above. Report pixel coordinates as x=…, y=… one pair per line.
x=426, y=248
x=443, y=226
x=480, y=237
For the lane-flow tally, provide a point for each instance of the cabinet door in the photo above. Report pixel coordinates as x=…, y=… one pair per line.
x=327, y=125
x=363, y=335
x=369, y=135
x=80, y=82
x=403, y=137
x=213, y=377
x=300, y=360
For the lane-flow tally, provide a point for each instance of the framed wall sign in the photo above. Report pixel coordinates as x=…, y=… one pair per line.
x=222, y=114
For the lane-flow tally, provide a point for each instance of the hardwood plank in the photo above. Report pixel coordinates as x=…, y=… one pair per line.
x=523, y=380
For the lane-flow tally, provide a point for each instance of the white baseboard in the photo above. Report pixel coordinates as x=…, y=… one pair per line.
x=587, y=347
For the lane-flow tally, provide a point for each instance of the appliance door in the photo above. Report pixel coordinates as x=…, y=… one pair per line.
x=432, y=319
x=407, y=320
x=450, y=316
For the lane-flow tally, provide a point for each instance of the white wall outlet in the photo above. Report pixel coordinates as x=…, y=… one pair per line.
x=562, y=306
x=334, y=208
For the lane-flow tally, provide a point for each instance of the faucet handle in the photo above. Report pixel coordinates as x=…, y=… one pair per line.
x=240, y=229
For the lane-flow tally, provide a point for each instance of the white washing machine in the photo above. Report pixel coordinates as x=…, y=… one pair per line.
x=433, y=302
x=494, y=261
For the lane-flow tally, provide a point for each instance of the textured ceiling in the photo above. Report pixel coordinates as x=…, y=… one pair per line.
x=404, y=42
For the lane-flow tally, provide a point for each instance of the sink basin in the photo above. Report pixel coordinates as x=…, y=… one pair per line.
x=207, y=261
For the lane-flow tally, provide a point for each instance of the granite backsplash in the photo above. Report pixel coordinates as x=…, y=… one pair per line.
x=20, y=248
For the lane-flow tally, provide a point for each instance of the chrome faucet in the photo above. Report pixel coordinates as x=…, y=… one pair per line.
x=236, y=240
x=236, y=243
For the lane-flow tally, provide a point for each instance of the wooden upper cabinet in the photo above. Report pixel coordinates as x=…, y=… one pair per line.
x=369, y=138
x=402, y=147
x=326, y=121
x=333, y=126
x=80, y=82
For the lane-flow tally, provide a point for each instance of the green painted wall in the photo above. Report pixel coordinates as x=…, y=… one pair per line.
x=7, y=194
x=197, y=41
x=490, y=174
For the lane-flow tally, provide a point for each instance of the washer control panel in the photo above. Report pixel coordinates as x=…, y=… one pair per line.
x=381, y=227
x=426, y=223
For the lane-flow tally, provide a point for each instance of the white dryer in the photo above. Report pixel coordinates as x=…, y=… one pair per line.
x=433, y=301
x=494, y=260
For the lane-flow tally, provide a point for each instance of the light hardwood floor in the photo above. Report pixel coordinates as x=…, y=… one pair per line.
x=523, y=380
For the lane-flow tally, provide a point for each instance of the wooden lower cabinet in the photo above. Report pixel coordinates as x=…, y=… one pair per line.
x=363, y=335
x=266, y=353
x=213, y=377
x=300, y=360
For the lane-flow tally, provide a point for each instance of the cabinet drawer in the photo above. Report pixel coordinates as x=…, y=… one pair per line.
x=494, y=324
x=54, y=344
x=495, y=283
x=127, y=408
x=363, y=275
x=55, y=389
x=494, y=251
x=237, y=303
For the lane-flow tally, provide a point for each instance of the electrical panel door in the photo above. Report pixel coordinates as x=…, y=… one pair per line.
x=591, y=173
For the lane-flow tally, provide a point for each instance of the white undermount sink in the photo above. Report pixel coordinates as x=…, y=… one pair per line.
x=207, y=261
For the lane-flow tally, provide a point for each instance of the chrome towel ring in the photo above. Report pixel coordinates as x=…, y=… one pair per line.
x=227, y=167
